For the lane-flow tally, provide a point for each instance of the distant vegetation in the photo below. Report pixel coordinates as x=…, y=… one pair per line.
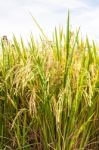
x=49, y=93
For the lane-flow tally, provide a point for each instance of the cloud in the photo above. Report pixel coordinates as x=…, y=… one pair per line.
x=15, y=18
x=90, y=23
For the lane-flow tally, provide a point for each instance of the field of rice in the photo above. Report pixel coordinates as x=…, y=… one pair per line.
x=49, y=93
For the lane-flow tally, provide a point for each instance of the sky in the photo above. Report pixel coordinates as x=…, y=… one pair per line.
x=15, y=17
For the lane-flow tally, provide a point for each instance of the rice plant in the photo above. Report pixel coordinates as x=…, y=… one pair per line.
x=49, y=93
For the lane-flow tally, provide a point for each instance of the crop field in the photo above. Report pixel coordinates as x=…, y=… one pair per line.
x=49, y=93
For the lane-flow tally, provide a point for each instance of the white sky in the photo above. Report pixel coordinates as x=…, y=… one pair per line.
x=15, y=17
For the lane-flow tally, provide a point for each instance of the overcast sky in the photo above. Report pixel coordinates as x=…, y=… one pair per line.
x=15, y=17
